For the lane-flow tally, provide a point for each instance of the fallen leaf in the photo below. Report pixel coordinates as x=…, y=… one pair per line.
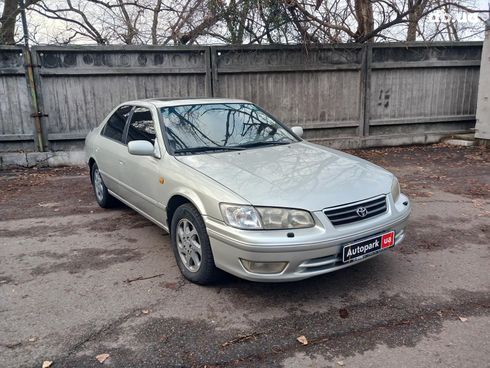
x=145, y=311
x=102, y=357
x=47, y=364
x=302, y=339
x=439, y=313
x=463, y=319
x=341, y=363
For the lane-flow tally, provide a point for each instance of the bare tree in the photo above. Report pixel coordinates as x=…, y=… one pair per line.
x=444, y=20
x=365, y=19
x=8, y=20
x=76, y=18
x=154, y=25
x=374, y=20
x=413, y=20
x=163, y=22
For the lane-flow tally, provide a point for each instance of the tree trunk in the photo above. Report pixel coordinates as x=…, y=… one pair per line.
x=154, y=25
x=413, y=22
x=190, y=37
x=7, y=22
x=365, y=19
x=451, y=27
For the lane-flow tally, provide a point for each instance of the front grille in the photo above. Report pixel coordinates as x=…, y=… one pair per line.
x=346, y=214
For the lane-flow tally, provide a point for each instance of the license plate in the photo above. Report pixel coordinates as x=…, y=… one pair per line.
x=363, y=248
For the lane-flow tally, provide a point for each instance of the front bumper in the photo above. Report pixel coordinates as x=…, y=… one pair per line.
x=311, y=252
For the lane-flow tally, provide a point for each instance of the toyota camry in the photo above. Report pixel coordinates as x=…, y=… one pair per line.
x=241, y=192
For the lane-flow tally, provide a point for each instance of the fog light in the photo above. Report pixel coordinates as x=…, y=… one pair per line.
x=263, y=267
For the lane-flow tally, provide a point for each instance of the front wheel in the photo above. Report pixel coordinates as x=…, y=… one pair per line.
x=190, y=243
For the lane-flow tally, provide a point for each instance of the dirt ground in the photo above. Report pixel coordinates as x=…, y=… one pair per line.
x=77, y=281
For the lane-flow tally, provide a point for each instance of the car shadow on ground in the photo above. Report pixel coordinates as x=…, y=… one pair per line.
x=339, y=284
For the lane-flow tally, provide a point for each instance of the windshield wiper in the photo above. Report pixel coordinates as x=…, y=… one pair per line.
x=263, y=143
x=207, y=149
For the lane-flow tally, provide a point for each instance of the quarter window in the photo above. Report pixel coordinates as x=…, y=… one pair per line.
x=141, y=126
x=115, y=125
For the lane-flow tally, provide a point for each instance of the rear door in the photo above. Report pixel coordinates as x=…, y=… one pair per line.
x=111, y=150
x=142, y=174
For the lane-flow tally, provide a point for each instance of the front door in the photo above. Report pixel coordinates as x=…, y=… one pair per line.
x=143, y=174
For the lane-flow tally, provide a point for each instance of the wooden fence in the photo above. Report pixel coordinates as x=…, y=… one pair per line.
x=343, y=95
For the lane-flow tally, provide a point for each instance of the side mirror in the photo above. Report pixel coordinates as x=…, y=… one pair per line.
x=141, y=148
x=297, y=130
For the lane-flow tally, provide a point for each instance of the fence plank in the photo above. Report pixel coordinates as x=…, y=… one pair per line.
x=318, y=88
x=15, y=105
x=81, y=85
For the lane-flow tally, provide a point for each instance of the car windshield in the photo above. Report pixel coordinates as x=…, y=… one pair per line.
x=221, y=127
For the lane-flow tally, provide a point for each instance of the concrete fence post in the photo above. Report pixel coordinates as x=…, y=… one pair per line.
x=32, y=79
x=365, y=89
x=482, y=128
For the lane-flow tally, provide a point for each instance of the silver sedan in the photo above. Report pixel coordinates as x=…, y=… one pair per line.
x=240, y=192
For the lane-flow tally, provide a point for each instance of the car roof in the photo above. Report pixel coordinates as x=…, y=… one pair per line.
x=179, y=101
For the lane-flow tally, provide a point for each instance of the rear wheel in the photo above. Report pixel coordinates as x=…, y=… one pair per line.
x=104, y=199
x=190, y=243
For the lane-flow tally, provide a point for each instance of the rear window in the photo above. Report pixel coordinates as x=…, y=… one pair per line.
x=114, y=128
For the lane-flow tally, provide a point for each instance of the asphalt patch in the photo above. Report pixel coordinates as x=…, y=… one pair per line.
x=83, y=259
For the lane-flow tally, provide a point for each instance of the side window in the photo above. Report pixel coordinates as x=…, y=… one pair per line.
x=115, y=125
x=141, y=126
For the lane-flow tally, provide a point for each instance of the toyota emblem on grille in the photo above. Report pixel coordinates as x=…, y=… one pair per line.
x=362, y=211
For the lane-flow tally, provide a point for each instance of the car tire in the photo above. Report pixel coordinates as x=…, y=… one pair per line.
x=102, y=196
x=191, y=246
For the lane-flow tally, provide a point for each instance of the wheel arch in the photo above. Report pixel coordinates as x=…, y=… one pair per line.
x=177, y=200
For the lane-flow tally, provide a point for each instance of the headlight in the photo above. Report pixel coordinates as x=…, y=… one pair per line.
x=249, y=217
x=395, y=189
x=283, y=218
x=242, y=217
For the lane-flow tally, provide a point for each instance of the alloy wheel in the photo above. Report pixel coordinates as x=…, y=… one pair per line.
x=189, y=245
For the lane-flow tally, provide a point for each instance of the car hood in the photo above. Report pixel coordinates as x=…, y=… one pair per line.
x=298, y=175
